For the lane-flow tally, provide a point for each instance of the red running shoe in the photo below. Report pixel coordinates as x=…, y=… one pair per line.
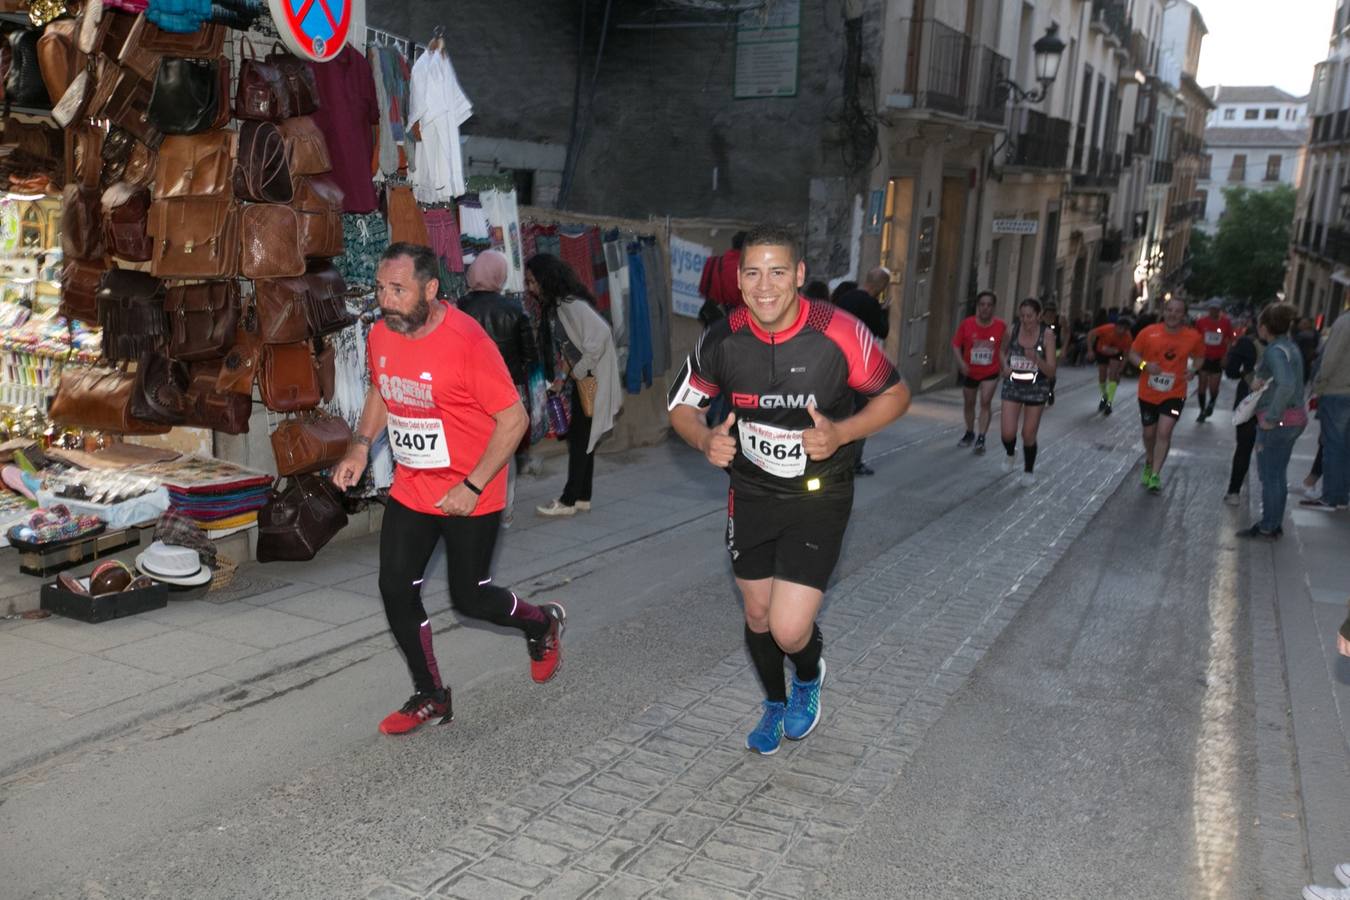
x=418, y=709
x=546, y=651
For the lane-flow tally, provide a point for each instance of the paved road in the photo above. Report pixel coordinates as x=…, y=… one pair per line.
x=1104, y=742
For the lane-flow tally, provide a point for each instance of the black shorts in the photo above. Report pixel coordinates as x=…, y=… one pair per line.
x=1212, y=366
x=972, y=383
x=796, y=539
x=1149, y=413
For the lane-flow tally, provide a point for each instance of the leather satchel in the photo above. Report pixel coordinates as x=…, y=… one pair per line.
x=325, y=360
x=99, y=399
x=131, y=314
x=59, y=59
x=280, y=307
x=289, y=381
x=299, y=520
x=187, y=97
x=208, y=407
x=195, y=238
x=82, y=222
x=23, y=83
x=318, y=200
x=123, y=98
x=147, y=43
x=195, y=165
x=325, y=307
x=309, y=443
x=203, y=319
x=302, y=90
x=79, y=289
x=126, y=207
x=271, y=242
x=161, y=393
x=262, y=93
x=262, y=173
x=126, y=159
x=240, y=366
x=306, y=148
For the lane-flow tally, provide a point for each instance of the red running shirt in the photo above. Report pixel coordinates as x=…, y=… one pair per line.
x=1108, y=340
x=983, y=342
x=1217, y=335
x=1155, y=344
x=442, y=392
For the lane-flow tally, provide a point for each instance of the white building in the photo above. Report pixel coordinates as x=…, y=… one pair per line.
x=1255, y=138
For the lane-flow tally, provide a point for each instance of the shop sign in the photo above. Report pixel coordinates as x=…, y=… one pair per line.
x=768, y=43
x=686, y=270
x=1016, y=226
x=313, y=29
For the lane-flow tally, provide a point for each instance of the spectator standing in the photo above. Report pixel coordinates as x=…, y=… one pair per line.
x=1280, y=416
x=1331, y=385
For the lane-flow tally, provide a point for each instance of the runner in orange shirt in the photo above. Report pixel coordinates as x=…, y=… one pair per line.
x=1108, y=344
x=1167, y=354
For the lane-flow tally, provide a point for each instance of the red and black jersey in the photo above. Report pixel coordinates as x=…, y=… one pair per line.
x=825, y=357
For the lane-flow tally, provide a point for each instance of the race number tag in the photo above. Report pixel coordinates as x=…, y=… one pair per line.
x=982, y=354
x=1213, y=338
x=777, y=451
x=418, y=443
x=1162, y=382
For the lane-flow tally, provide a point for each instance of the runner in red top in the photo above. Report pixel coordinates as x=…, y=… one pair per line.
x=1108, y=344
x=978, y=346
x=1217, y=332
x=441, y=391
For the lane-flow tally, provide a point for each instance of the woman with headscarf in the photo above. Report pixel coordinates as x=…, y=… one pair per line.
x=576, y=343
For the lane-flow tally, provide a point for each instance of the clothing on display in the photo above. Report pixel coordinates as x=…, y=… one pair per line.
x=438, y=107
x=503, y=216
x=443, y=229
x=616, y=264
x=638, y=369
x=348, y=109
x=658, y=302
x=474, y=233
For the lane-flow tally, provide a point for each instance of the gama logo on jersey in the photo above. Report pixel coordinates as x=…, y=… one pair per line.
x=772, y=401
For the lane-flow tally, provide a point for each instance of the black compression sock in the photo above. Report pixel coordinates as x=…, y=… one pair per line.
x=1029, y=457
x=768, y=659
x=1010, y=447
x=807, y=659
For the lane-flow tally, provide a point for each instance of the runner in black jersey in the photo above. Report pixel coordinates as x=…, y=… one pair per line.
x=790, y=367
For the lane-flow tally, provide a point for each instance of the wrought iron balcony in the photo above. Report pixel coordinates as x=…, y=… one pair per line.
x=991, y=103
x=1111, y=18
x=1040, y=141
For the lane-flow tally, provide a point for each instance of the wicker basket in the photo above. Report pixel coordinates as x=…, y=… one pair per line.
x=224, y=575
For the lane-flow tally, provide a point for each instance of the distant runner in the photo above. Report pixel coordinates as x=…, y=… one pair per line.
x=978, y=346
x=1108, y=344
x=1167, y=354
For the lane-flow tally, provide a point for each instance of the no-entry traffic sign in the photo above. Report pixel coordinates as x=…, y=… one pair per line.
x=313, y=29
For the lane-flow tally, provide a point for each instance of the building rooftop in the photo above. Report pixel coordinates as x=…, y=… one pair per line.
x=1255, y=137
x=1261, y=93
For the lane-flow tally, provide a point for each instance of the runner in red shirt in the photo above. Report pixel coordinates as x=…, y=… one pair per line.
x=978, y=346
x=1217, y=332
x=1108, y=344
x=453, y=417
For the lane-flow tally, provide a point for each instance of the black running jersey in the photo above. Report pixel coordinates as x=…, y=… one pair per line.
x=825, y=357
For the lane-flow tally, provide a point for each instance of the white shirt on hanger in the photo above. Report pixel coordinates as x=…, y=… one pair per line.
x=438, y=106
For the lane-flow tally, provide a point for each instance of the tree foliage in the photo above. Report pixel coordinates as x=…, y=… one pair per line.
x=1245, y=259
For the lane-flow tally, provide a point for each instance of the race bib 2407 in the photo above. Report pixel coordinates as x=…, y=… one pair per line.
x=418, y=443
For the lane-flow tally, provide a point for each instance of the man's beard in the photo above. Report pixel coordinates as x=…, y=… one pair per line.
x=407, y=323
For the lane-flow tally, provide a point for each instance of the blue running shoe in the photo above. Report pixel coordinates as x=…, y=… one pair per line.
x=803, y=706
x=768, y=734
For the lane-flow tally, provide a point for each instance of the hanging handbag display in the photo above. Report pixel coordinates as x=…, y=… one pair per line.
x=147, y=43
x=79, y=289
x=126, y=159
x=325, y=304
x=309, y=443
x=301, y=89
x=325, y=361
x=262, y=173
x=209, y=407
x=306, y=147
x=271, y=242
x=196, y=165
x=126, y=208
x=82, y=222
x=100, y=400
x=240, y=366
x=261, y=93
x=203, y=319
x=318, y=200
x=195, y=238
x=23, y=83
x=73, y=104
x=123, y=98
x=59, y=59
x=288, y=380
x=280, y=307
x=161, y=390
x=188, y=95
x=299, y=520
x=131, y=313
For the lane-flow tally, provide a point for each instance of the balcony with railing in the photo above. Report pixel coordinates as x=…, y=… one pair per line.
x=1337, y=245
x=1162, y=172
x=937, y=73
x=991, y=100
x=1038, y=141
x=1141, y=51
x=1102, y=170
x=1111, y=19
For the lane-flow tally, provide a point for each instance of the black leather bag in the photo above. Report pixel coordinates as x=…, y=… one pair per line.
x=161, y=390
x=24, y=85
x=186, y=97
x=300, y=519
x=131, y=313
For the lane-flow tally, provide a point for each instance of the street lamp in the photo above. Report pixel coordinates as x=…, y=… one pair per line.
x=1049, y=51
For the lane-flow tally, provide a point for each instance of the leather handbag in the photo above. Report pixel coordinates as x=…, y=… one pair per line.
x=325, y=360
x=82, y=222
x=406, y=222
x=208, y=407
x=131, y=314
x=147, y=43
x=262, y=173
x=195, y=238
x=306, y=148
x=187, y=96
x=325, y=306
x=123, y=98
x=203, y=319
x=23, y=83
x=195, y=165
x=84, y=145
x=161, y=393
x=318, y=200
x=126, y=207
x=74, y=103
x=79, y=289
x=261, y=93
x=302, y=90
x=126, y=159
x=288, y=380
x=299, y=520
x=280, y=307
x=271, y=242
x=239, y=368
x=6, y=57
x=309, y=443
x=59, y=59
x=99, y=399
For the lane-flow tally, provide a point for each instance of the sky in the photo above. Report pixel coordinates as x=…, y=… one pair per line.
x=1264, y=41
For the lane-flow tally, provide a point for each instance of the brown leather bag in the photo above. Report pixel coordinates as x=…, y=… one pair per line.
x=271, y=242
x=289, y=381
x=195, y=165
x=309, y=443
x=280, y=307
x=203, y=319
x=262, y=173
x=126, y=207
x=59, y=57
x=302, y=90
x=82, y=222
x=240, y=366
x=195, y=238
x=298, y=521
x=325, y=358
x=161, y=390
x=123, y=98
x=325, y=305
x=318, y=200
x=262, y=93
x=217, y=410
x=99, y=399
x=306, y=148
x=126, y=159
x=79, y=289
x=406, y=222
x=146, y=43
